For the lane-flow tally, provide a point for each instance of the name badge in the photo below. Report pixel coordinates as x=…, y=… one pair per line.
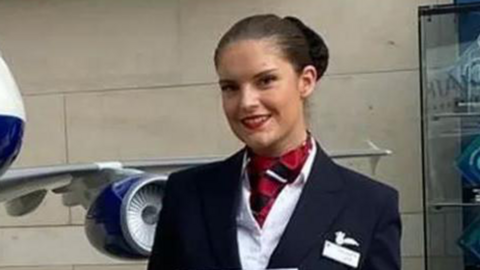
x=341, y=254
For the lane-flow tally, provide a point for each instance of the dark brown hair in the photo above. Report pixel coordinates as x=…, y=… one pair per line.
x=299, y=44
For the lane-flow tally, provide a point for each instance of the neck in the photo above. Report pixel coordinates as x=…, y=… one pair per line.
x=280, y=150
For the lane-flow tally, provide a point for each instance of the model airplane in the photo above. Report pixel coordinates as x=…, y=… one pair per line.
x=122, y=199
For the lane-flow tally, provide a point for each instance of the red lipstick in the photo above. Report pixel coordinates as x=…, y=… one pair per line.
x=255, y=122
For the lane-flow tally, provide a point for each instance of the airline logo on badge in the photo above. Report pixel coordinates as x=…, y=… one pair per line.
x=341, y=240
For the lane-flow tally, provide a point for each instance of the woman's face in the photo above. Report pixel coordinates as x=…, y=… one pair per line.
x=263, y=96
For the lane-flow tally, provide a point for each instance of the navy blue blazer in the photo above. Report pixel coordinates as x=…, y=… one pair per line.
x=197, y=225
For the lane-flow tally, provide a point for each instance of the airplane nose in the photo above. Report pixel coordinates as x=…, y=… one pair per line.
x=12, y=117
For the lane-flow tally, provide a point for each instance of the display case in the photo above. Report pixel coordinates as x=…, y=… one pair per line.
x=450, y=94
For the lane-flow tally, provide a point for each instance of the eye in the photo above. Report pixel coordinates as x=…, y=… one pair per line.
x=266, y=81
x=228, y=87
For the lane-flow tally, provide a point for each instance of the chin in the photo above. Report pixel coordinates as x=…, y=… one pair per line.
x=259, y=145
x=259, y=141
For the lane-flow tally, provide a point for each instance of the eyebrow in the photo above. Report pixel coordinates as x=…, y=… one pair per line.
x=225, y=81
x=255, y=76
x=264, y=73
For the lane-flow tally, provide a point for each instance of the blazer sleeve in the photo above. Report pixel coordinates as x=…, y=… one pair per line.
x=384, y=251
x=163, y=256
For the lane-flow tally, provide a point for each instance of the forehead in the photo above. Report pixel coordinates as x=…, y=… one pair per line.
x=248, y=57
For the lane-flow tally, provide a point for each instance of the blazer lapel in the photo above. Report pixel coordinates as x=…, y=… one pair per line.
x=322, y=199
x=219, y=198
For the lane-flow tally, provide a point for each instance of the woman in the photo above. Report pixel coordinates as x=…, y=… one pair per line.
x=280, y=202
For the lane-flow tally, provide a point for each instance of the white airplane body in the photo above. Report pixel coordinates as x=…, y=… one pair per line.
x=123, y=199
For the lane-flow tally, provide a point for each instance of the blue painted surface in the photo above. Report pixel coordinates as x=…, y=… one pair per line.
x=468, y=25
x=11, y=136
x=469, y=164
x=103, y=221
x=466, y=1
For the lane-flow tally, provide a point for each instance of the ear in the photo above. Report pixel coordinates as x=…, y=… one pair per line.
x=307, y=81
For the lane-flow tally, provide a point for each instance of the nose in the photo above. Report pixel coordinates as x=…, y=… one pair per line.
x=249, y=98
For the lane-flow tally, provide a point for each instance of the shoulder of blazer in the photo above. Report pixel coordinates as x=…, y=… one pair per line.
x=366, y=186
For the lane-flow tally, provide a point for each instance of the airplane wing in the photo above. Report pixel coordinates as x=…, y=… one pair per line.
x=23, y=189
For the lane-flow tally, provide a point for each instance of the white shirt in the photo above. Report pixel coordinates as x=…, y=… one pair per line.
x=257, y=244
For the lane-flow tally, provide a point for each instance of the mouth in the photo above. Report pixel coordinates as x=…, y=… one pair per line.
x=255, y=122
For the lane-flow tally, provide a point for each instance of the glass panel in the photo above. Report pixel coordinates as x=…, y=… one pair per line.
x=450, y=79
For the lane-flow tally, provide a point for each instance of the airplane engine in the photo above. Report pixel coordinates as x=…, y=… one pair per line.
x=121, y=221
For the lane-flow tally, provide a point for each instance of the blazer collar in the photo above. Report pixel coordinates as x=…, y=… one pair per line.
x=220, y=196
x=321, y=201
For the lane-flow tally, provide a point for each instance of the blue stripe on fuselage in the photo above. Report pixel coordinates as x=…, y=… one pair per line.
x=11, y=134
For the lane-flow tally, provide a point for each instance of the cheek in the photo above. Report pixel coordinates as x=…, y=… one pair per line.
x=289, y=108
x=228, y=107
x=288, y=101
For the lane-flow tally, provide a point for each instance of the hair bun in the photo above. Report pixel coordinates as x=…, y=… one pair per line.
x=317, y=47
